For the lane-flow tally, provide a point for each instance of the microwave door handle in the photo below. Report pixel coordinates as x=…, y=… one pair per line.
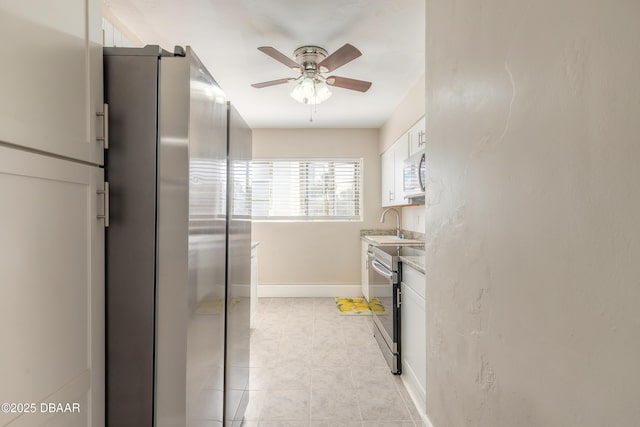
x=381, y=270
x=422, y=187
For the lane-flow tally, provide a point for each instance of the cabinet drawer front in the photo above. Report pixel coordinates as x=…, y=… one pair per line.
x=413, y=279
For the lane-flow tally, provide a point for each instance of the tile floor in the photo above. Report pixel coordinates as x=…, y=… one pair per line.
x=313, y=367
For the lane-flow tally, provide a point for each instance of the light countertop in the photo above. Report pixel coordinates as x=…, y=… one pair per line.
x=417, y=262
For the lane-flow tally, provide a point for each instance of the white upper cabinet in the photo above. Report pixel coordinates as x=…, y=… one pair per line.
x=387, y=166
x=400, y=153
x=391, y=163
x=51, y=77
x=417, y=136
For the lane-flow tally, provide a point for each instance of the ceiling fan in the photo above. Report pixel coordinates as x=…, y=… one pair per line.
x=312, y=62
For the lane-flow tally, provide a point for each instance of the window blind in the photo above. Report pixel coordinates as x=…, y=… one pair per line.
x=307, y=189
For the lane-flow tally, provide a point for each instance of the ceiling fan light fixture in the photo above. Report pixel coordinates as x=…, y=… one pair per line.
x=311, y=61
x=307, y=87
x=311, y=91
x=322, y=92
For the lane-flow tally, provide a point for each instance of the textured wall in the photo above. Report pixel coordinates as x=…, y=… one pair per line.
x=533, y=217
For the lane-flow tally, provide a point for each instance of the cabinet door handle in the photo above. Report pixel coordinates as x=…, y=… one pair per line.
x=390, y=195
x=105, y=126
x=421, y=138
x=105, y=216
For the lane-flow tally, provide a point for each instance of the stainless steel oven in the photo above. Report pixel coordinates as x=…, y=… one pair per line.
x=384, y=297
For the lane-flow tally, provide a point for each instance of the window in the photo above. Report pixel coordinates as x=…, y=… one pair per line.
x=307, y=190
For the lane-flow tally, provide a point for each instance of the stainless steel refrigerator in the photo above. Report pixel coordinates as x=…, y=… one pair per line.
x=178, y=254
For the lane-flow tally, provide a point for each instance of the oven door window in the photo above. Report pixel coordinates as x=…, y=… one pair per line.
x=381, y=295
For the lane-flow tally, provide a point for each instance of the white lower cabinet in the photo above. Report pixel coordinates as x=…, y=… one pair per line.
x=51, y=288
x=364, y=268
x=413, y=335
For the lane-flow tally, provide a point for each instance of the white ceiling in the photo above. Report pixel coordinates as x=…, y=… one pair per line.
x=225, y=35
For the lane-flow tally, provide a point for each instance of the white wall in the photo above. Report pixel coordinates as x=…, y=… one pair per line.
x=307, y=253
x=112, y=37
x=406, y=114
x=533, y=237
x=116, y=34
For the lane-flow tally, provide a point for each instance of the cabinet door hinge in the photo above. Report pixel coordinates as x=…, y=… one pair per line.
x=105, y=194
x=105, y=126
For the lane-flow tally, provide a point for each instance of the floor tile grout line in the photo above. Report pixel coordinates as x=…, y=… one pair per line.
x=353, y=380
x=340, y=325
x=397, y=384
x=313, y=333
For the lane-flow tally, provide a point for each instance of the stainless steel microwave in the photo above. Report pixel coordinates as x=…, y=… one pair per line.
x=414, y=173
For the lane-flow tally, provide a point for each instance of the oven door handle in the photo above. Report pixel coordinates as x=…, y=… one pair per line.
x=381, y=269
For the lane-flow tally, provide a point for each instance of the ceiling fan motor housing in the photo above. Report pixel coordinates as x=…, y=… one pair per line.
x=309, y=57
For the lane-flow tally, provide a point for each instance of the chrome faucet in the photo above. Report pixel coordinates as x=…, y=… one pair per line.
x=398, y=235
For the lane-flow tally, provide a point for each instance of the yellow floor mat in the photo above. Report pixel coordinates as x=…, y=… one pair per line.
x=358, y=306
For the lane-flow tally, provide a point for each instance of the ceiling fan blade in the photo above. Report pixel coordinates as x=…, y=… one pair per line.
x=346, y=83
x=279, y=56
x=272, y=83
x=346, y=53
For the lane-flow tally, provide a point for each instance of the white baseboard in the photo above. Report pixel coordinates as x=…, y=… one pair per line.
x=310, y=290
